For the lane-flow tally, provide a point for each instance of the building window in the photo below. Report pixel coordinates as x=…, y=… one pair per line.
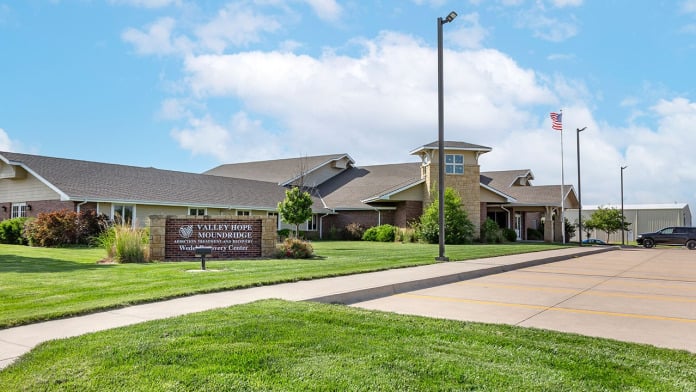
x=197, y=212
x=454, y=164
x=243, y=213
x=123, y=214
x=312, y=223
x=19, y=210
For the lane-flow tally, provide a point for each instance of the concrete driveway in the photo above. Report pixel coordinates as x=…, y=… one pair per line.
x=636, y=295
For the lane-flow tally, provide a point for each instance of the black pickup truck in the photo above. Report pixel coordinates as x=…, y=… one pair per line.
x=669, y=236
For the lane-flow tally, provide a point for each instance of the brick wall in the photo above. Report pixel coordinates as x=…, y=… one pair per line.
x=364, y=218
x=37, y=207
x=468, y=185
x=406, y=212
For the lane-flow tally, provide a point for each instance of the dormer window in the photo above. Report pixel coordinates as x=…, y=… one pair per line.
x=454, y=164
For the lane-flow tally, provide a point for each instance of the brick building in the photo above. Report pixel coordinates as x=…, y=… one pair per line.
x=343, y=192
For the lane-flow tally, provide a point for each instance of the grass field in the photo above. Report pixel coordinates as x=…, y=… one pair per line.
x=40, y=284
x=284, y=346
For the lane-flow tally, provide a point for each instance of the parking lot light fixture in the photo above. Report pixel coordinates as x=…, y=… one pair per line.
x=578, y=130
x=623, y=220
x=441, y=136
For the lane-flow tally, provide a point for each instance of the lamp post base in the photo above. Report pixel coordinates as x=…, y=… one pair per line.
x=441, y=259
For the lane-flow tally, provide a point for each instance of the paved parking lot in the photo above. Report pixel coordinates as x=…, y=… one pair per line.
x=637, y=295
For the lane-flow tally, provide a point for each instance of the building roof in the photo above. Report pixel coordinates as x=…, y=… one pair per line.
x=509, y=182
x=280, y=171
x=450, y=145
x=354, y=187
x=261, y=185
x=93, y=181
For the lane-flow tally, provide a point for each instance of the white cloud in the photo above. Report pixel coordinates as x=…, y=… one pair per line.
x=203, y=137
x=561, y=57
x=471, y=35
x=241, y=139
x=174, y=109
x=5, y=142
x=689, y=6
x=328, y=10
x=5, y=14
x=547, y=28
x=236, y=24
x=147, y=3
x=382, y=104
x=157, y=39
x=566, y=3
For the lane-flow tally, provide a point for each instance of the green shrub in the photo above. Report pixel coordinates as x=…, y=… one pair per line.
x=53, y=229
x=354, y=231
x=458, y=227
x=283, y=234
x=335, y=233
x=509, y=234
x=534, y=234
x=12, y=231
x=382, y=233
x=294, y=248
x=490, y=232
x=59, y=228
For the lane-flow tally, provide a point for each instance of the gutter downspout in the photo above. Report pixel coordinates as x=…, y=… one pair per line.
x=78, y=206
x=509, y=219
x=321, y=224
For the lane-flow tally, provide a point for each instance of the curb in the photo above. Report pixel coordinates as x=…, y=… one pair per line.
x=351, y=297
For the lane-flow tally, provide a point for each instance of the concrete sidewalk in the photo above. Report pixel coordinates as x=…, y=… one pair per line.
x=17, y=341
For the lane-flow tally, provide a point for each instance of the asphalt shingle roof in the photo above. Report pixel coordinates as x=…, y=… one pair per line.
x=531, y=194
x=83, y=180
x=347, y=189
x=277, y=170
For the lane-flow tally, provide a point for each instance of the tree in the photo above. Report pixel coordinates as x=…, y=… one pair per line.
x=458, y=227
x=608, y=220
x=296, y=208
x=570, y=229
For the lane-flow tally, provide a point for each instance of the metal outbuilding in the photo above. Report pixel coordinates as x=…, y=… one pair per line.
x=643, y=218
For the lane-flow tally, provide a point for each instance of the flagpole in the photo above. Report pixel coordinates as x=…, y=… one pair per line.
x=562, y=186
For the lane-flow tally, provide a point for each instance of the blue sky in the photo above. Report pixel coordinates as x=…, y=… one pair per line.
x=187, y=85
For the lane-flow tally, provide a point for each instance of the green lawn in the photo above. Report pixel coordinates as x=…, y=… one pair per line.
x=275, y=345
x=40, y=284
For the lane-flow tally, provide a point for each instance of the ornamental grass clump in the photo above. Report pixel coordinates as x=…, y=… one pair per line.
x=125, y=244
x=295, y=248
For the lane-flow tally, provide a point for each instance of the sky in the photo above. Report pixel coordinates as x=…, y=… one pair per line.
x=189, y=85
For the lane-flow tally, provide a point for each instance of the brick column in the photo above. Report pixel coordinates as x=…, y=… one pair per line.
x=548, y=225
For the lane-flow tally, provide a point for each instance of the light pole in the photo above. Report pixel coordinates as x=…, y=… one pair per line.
x=623, y=223
x=578, y=130
x=441, y=135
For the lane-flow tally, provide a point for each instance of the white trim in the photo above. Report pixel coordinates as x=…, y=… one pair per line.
x=387, y=196
x=290, y=181
x=63, y=195
x=188, y=211
x=21, y=212
x=509, y=198
x=527, y=173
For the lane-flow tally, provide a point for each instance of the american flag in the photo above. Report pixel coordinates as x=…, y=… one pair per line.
x=556, y=122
